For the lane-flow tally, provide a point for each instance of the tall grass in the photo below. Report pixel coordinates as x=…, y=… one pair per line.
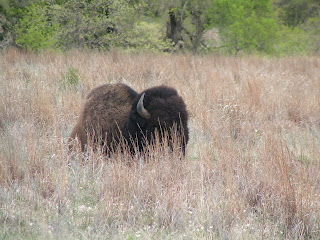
x=251, y=169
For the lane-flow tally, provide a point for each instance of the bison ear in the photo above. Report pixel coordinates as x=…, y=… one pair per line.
x=141, y=110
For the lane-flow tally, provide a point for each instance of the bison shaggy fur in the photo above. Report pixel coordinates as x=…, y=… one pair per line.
x=114, y=115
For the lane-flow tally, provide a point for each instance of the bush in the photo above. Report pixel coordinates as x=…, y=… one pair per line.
x=293, y=41
x=70, y=78
x=146, y=36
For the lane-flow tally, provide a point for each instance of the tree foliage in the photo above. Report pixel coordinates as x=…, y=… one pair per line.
x=295, y=12
x=100, y=24
x=35, y=31
x=6, y=23
x=292, y=41
x=248, y=26
x=81, y=24
x=312, y=27
x=244, y=25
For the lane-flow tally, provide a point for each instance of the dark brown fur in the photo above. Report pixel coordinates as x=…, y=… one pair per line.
x=109, y=115
x=105, y=111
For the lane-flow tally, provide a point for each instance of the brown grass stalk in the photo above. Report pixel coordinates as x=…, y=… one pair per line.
x=251, y=169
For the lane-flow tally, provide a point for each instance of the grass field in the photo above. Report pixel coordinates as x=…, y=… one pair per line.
x=252, y=168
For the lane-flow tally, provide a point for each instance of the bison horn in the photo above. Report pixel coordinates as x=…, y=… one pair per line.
x=141, y=110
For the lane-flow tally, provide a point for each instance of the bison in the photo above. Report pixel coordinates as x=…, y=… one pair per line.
x=115, y=115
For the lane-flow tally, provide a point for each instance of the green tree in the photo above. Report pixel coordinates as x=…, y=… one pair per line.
x=198, y=19
x=82, y=23
x=34, y=30
x=293, y=41
x=244, y=25
x=184, y=20
x=8, y=10
x=295, y=12
x=4, y=21
x=312, y=27
x=132, y=30
x=299, y=26
x=100, y=24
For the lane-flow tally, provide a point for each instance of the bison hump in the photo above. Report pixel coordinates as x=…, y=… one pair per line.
x=107, y=107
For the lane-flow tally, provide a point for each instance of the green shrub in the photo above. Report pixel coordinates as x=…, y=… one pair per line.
x=146, y=36
x=70, y=78
x=293, y=41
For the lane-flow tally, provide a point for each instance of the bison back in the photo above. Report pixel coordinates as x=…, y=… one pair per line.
x=104, y=114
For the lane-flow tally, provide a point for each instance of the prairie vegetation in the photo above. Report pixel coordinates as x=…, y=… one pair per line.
x=251, y=169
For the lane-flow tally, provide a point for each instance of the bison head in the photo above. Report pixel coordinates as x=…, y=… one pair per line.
x=158, y=109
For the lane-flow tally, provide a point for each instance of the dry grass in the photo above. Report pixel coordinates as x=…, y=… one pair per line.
x=251, y=170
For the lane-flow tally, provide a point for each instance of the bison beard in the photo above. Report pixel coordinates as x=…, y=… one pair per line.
x=114, y=115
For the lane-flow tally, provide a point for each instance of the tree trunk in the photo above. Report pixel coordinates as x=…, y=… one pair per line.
x=174, y=26
x=196, y=39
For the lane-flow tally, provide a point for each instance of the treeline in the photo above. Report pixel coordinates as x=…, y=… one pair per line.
x=279, y=27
